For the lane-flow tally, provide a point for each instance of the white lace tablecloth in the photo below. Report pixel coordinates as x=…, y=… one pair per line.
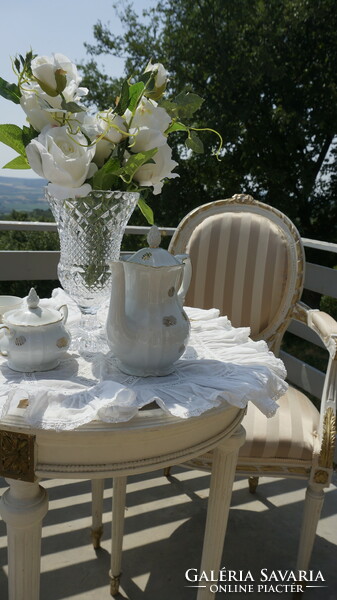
x=221, y=365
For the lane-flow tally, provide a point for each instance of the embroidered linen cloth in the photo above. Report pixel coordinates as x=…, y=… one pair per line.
x=221, y=365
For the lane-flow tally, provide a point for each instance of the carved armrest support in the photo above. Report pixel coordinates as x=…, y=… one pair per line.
x=320, y=322
x=322, y=472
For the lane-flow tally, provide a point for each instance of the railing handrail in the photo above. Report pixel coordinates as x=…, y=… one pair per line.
x=141, y=230
x=46, y=226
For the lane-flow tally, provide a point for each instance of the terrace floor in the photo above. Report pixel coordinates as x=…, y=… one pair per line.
x=163, y=538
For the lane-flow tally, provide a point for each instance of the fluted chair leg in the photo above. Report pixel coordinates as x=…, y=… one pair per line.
x=97, y=489
x=118, y=513
x=314, y=499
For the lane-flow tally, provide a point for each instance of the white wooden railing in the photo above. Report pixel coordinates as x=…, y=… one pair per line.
x=42, y=265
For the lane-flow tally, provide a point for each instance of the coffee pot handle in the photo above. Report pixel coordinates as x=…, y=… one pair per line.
x=187, y=276
x=64, y=312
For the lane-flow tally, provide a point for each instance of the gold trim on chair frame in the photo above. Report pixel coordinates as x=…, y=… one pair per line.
x=326, y=456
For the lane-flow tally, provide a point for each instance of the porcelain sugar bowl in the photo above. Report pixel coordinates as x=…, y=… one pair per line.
x=147, y=328
x=34, y=338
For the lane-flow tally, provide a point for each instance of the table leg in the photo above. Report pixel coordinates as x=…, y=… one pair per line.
x=223, y=472
x=23, y=507
x=97, y=491
x=118, y=511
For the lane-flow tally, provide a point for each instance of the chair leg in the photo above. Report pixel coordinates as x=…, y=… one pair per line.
x=118, y=513
x=97, y=489
x=314, y=499
x=253, y=483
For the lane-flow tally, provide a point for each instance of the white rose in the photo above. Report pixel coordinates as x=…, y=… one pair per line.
x=149, y=114
x=42, y=109
x=61, y=159
x=45, y=67
x=146, y=139
x=160, y=80
x=153, y=174
x=106, y=124
x=37, y=116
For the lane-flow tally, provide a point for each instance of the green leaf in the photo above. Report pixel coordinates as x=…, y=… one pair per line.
x=135, y=91
x=124, y=99
x=72, y=107
x=11, y=135
x=134, y=162
x=46, y=88
x=188, y=103
x=170, y=107
x=61, y=80
x=107, y=176
x=19, y=162
x=194, y=143
x=148, y=79
x=28, y=134
x=146, y=211
x=176, y=126
x=10, y=91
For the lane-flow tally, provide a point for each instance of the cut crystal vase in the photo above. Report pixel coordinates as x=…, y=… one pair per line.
x=90, y=229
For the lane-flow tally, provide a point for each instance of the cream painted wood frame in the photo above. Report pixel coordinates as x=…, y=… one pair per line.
x=248, y=261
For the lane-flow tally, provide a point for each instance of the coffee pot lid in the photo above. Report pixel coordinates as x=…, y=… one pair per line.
x=32, y=314
x=153, y=256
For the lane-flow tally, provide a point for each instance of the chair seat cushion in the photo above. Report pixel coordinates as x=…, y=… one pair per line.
x=291, y=434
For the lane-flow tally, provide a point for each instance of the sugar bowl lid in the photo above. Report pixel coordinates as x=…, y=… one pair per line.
x=33, y=314
x=153, y=256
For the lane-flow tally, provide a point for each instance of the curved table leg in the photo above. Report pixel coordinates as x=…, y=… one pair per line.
x=97, y=490
x=23, y=507
x=118, y=511
x=223, y=473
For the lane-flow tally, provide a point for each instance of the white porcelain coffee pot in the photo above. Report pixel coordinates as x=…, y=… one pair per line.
x=147, y=327
x=35, y=337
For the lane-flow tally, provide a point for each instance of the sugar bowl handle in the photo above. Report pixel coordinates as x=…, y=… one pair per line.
x=3, y=352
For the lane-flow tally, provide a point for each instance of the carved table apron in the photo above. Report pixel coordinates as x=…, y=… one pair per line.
x=149, y=441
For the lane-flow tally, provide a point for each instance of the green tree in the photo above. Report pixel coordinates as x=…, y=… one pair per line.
x=266, y=69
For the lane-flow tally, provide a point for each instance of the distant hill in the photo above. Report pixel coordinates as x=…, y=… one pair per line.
x=17, y=193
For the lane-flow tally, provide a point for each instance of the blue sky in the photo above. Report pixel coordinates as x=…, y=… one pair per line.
x=47, y=27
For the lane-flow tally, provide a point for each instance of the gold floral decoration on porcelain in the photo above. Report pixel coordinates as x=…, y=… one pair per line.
x=169, y=320
x=62, y=342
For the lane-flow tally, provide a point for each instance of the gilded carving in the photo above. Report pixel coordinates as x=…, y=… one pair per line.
x=245, y=198
x=328, y=440
x=17, y=455
x=321, y=476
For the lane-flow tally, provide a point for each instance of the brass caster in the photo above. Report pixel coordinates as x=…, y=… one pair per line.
x=96, y=535
x=114, y=584
x=253, y=483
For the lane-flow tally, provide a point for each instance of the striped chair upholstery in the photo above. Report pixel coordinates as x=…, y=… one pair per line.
x=248, y=261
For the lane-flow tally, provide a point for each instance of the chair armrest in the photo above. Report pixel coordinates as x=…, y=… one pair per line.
x=320, y=322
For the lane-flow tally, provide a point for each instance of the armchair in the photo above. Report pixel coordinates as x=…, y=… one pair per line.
x=248, y=261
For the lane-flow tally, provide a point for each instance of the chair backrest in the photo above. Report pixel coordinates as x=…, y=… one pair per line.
x=248, y=261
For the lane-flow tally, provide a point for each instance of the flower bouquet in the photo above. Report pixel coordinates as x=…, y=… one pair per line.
x=98, y=165
x=124, y=147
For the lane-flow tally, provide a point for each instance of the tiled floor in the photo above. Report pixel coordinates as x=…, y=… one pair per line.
x=163, y=538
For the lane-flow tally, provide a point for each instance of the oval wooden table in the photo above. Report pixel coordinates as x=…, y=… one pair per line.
x=149, y=441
